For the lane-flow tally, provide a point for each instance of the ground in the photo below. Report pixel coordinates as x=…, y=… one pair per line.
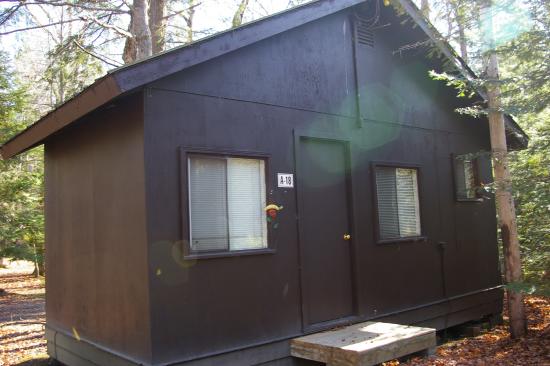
x=22, y=321
x=494, y=347
x=22, y=317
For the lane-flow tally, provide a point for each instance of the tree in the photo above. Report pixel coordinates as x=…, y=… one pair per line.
x=528, y=95
x=530, y=170
x=157, y=25
x=21, y=198
x=139, y=43
x=506, y=211
x=239, y=14
x=425, y=8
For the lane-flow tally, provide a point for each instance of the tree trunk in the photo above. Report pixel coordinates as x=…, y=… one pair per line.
x=189, y=20
x=157, y=25
x=139, y=46
x=459, y=18
x=129, y=53
x=425, y=8
x=462, y=42
x=36, y=266
x=238, y=17
x=505, y=202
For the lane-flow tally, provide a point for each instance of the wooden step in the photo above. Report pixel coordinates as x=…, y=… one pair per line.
x=363, y=344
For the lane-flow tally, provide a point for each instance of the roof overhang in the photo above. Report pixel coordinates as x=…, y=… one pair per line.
x=134, y=76
x=130, y=77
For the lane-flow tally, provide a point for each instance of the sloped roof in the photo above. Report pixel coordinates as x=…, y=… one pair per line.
x=131, y=77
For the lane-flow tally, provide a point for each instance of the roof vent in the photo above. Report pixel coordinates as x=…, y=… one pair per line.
x=366, y=18
x=363, y=33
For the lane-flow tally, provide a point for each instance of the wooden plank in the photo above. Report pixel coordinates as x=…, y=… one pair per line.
x=363, y=344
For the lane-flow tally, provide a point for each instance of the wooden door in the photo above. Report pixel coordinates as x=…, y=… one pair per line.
x=325, y=230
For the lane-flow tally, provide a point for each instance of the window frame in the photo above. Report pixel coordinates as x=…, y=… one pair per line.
x=185, y=154
x=477, y=180
x=396, y=165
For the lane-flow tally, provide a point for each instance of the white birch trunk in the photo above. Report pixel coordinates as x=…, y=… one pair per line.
x=504, y=199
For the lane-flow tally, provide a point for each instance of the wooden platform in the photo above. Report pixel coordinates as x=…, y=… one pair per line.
x=363, y=344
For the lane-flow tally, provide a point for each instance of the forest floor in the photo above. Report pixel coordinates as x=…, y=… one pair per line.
x=493, y=347
x=22, y=321
x=22, y=316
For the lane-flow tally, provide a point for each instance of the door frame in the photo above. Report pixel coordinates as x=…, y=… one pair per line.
x=345, y=139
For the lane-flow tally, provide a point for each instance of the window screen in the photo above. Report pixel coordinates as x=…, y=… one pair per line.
x=398, y=204
x=465, y=177
x=227, y=200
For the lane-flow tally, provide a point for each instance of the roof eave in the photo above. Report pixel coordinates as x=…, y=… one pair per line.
x=133, y=76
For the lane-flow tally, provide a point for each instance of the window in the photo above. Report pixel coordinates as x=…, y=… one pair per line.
x=398, y=203
x=227, y=197
x=466, y=177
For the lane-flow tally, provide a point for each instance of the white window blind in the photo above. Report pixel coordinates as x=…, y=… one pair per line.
x=208, y=206
x=227, y=200
x=246, y=202
x=387, y=203
x=407, y=202
x=398, y=203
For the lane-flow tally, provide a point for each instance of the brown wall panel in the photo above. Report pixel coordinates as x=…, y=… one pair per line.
x=96, y=252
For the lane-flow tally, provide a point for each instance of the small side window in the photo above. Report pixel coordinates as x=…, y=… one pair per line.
x=398, y=202
x=467, y=183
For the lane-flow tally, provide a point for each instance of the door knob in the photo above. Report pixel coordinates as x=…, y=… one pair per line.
x=347, y=236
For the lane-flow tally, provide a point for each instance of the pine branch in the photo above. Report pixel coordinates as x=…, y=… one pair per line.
x=93, y=54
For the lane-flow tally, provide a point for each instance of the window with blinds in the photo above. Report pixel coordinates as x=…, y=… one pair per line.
x=466, y=181
x=226, y=203
x=398, y=203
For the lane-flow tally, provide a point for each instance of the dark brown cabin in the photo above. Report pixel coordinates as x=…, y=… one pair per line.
x=159, y=247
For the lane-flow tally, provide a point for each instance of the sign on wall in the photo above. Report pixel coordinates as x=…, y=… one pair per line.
x=285, y=180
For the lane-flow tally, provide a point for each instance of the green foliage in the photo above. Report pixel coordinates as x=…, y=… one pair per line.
x=525, y=59
x=462, y=86
x=71, y=68
x=530, y=170
x=21, y=193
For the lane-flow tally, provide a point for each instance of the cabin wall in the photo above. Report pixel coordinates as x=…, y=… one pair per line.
x=411, y=118
x=256, y=100
x=96, y=249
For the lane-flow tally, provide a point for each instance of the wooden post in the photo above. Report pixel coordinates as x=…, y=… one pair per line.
x=504, y=199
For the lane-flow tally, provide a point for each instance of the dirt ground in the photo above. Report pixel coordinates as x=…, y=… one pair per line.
x=22, y=322
x=22, y=316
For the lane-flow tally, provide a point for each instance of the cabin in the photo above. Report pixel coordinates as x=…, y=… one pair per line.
x=207, y=205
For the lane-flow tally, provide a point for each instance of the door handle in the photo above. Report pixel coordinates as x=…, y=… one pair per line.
x=347, y=236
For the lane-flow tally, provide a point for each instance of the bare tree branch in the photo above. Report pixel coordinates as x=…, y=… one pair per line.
x=40, y=26
x=93, y=54
x=179, y=12
x=72, y=5
x=108, y=26
x=9, y=13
